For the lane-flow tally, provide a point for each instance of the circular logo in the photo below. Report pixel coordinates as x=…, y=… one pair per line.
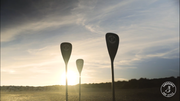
x=168, y=89
x=66, y=47
x=112, y=39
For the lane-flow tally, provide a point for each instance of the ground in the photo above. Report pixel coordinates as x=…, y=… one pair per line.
x=88, y=94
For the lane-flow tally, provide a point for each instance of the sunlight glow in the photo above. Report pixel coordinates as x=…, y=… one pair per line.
x=72, y=78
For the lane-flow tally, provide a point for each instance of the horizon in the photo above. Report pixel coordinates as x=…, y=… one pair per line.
x=32, y=31
x=93, y=82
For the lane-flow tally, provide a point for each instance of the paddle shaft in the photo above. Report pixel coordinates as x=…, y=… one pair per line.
x=79, y=86
x=66, y=85
x=112, y=85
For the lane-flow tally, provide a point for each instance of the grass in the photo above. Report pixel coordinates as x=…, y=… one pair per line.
x=88, y=94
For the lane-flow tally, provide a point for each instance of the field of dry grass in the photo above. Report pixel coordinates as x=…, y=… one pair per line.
x=88, y=94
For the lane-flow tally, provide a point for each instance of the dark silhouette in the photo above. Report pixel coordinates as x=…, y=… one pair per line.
x=112, y=41
x=141, y=83
x=142, y=89
x=66, y=49
x=79, y=64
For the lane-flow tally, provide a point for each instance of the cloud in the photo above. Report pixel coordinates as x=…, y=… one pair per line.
x=148, y=33
x=31, y=11
x=10, y=34
x=19, y=17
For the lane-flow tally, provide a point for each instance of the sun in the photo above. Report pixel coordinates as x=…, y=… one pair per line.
x=72, y=78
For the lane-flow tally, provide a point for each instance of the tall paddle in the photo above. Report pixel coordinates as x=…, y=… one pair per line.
x=66, y=49
x=112, y=41
x=79, y=64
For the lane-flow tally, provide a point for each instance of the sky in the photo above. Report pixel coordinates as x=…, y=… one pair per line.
x=32, y=31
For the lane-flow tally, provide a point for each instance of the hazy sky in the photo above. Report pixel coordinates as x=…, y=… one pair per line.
x=32, y=31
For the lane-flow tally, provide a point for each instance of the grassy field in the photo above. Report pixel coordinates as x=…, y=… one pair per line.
x=88, y=94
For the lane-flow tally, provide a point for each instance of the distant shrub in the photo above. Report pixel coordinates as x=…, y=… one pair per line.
x=133, y=83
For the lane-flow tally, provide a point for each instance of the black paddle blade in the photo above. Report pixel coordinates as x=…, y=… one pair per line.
x=112, y=41
x=66, y=49
x=79, y=64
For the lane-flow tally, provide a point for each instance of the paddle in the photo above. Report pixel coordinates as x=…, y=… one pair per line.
x=112, y=41
x=66, y=49
x=79, y=64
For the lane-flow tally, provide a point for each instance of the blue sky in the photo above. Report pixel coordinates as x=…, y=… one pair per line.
x=32, y=31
